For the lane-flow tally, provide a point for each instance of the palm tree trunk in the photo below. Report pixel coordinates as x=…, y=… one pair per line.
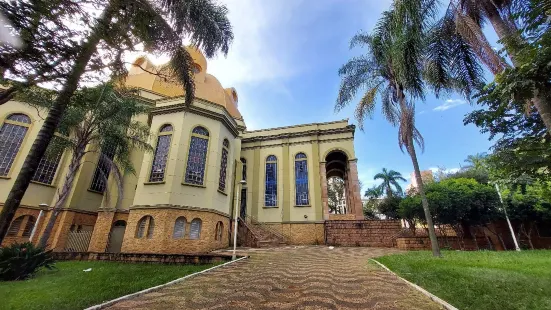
x=63, y=194
x=421, y=189
x=52, y=120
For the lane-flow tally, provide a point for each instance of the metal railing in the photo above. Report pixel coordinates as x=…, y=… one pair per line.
x=253, y=220
x=78, y=241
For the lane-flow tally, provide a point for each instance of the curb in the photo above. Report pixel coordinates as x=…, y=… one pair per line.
x=155, y=288
x=433, y=297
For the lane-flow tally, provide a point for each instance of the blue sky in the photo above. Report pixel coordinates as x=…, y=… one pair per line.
x=284, y=64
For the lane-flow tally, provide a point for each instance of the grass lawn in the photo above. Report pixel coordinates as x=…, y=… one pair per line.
x=480, y=280
x=69, y=287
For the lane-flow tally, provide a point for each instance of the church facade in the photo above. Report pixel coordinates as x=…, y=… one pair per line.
x=184, y=195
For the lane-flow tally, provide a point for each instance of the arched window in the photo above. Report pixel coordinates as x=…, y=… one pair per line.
x=179, y=228
x=197, y=156
x=270, y=193
x=224, y=165
x=195, y=229
x=145, y=227
x=103, y=169
x=219, y=231
x=12, y=133
x=48, y=164
x=15, y=226
x=244, y=172
x=160, y=158
x=301, y=180
x=29, y=226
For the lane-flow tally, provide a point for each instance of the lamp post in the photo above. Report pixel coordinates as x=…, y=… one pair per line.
x=237, y=205
x=507, y=218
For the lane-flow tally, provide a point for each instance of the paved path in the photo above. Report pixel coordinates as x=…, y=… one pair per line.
x=291, y=278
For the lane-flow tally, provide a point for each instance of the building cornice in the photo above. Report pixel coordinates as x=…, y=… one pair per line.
x=177, y=207
x=307, y=133
x=224, y=117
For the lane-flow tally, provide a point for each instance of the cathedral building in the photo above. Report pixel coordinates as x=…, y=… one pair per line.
x=184, y=195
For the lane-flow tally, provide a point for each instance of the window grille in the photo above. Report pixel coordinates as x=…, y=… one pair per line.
x=270, y=193
x=47, y=167
x=223, y=165
x=12, y=133
x=103, y=168
x=179, y=228
x=197, y=156
x=145, y=225
x=195, y=229
x=29, y=226
x=160, y=158
x=15, y=226
x=301, y=180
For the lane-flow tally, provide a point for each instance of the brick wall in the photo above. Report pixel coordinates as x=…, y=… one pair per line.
x=183, y=259
x=301, y=233
x=375, y=233
x=22, y=211
x=162, y=241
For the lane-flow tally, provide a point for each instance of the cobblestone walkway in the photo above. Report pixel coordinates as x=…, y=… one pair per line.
x=291, y=278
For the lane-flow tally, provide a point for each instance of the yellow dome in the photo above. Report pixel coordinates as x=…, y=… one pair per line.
x=207, y=87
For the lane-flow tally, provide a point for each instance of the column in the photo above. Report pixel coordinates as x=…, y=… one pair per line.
x=324, y=195
x=355, y=195
x=102, y=228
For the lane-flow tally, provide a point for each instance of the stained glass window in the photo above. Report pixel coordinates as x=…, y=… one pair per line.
x=103, y=169
x=197, y=156
x=195, y=229
x=223, y=165
x=12, y=133
x=301, y=180
x=47, y=166
x=244, y=173
x=161, y=154
x=270, y=193
x=179, y=228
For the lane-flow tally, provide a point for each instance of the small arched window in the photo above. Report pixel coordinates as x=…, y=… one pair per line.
x=179, y=228
x=219, y=231
x=195, y=229
x=15, y=226
x=224, y=165
x=12, y=133
x=146, y=226
x=301, y=180
x=244, y=172
x=160, y=158
x=270, y=193
x=31, y=221
x=197, y=156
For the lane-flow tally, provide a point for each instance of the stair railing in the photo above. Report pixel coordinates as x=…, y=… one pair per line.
x=266, y=227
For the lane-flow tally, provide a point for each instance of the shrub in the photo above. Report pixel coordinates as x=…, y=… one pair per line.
x=20, y=261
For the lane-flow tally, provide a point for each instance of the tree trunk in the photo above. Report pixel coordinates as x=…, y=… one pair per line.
x=541, y=102
x=63, y=195
x=52, y=121
x=421, y=191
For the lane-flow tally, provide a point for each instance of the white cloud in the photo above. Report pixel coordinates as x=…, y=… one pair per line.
x=450, y=103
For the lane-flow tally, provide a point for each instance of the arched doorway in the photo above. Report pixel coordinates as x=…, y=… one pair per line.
x=340, y=185
x=116, y=235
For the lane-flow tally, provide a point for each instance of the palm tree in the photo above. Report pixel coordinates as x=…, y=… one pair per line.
x=468, y=17
x=476, y=161
x=390, y=178
x=373, y=192
x=392, y=69
x=161, y=26
x=99, y=120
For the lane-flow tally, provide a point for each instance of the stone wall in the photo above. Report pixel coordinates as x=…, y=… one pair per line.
x=423, y=243
x=183, y=259
x=301, y=233
x=374, y=233
x=162, y=241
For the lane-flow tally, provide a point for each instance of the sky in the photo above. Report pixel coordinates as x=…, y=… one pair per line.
x=284, y=62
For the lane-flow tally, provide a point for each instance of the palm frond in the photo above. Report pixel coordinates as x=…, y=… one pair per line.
x=366, y=106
